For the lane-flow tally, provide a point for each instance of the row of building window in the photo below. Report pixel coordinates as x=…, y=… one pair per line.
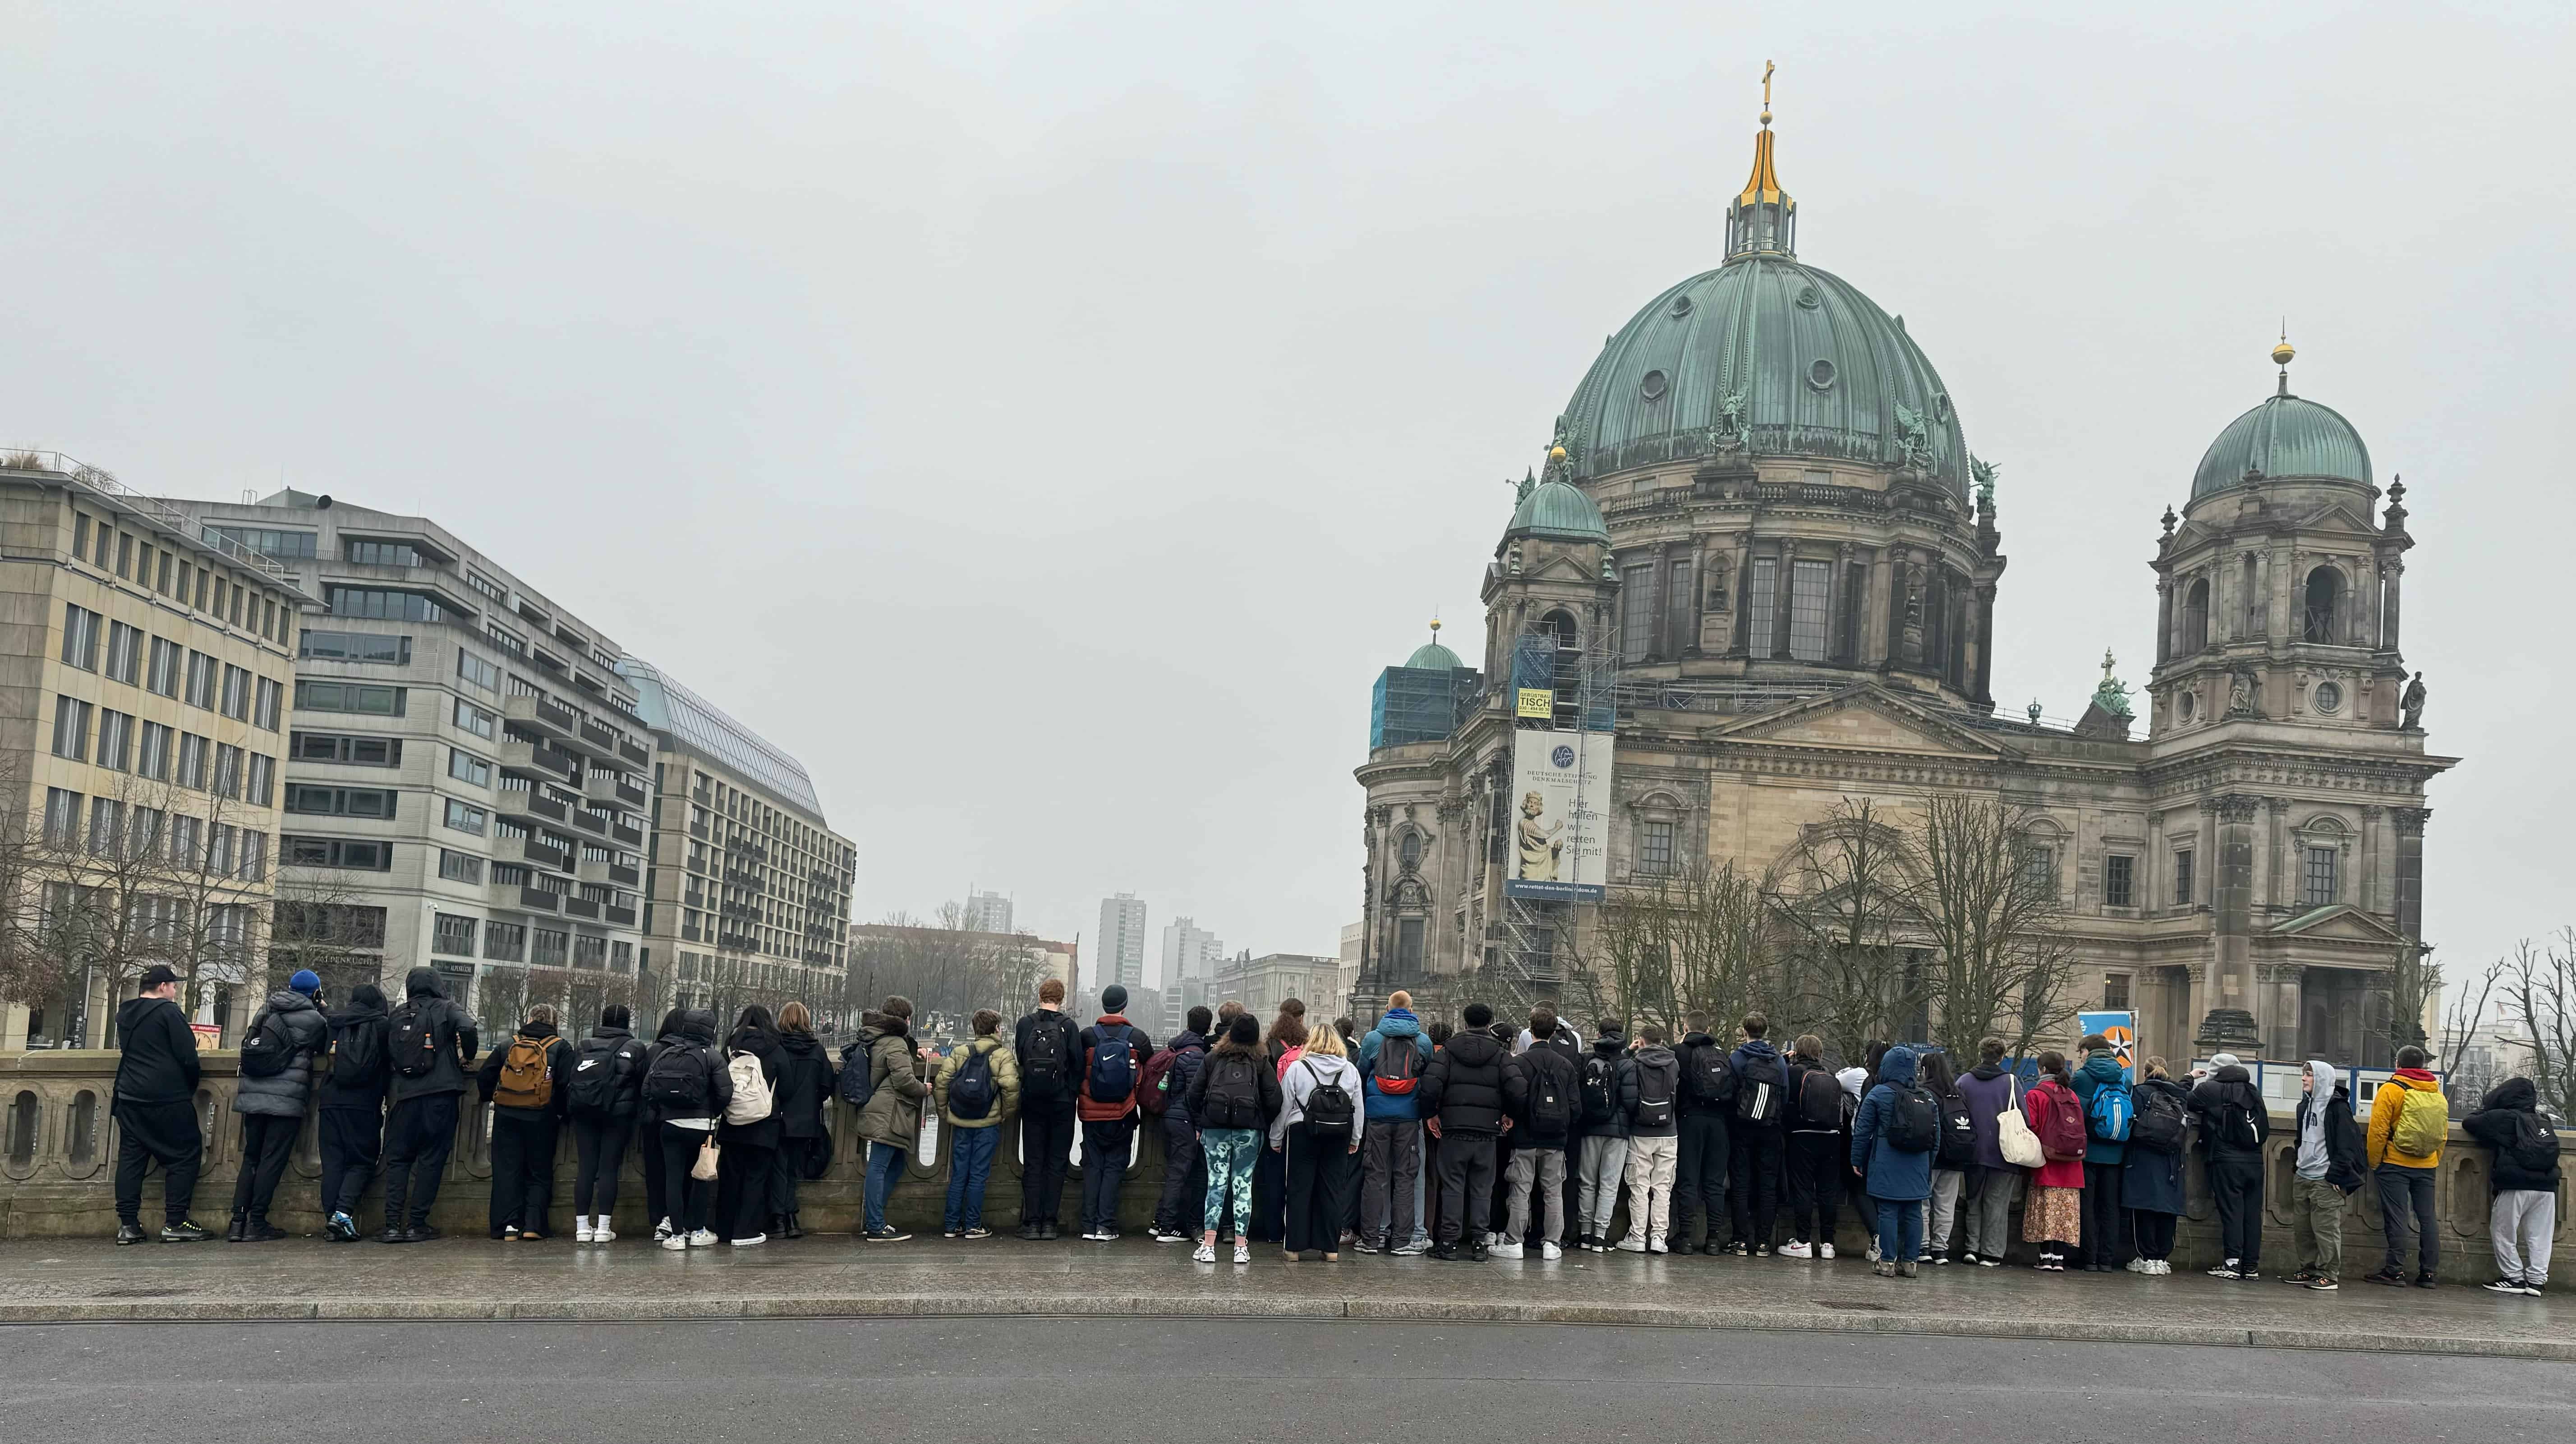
x=452, y=934
x=209, y=684
x=118, y=829
x=2320, y=876
x=136, y=560
x=157, y=753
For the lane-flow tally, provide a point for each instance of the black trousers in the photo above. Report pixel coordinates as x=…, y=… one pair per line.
x=2237, y=1185
x=1270, y=1196
x=1699, y=1178
x=419, y=1134
x=787, y=1170
x=1753, y=1160
x=599, y=1149
x=1322, y=1178
x=742, y=1188
x=1466, y=1183
x=1104, y=1169
x=2106, y=1231
x=163, y=1133
x=523, y=1172
x=1816, y=1164
x=352, y=1139
x=266, y=1140
x=1179, y=1207
x=686, y=1197
x=1046, y=1154
x=2155, y=1234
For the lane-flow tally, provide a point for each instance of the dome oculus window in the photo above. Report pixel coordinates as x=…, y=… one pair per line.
x=1653, y=386
x=1821, y=375
x=1808, y=298
x=2328, y=697
x=1681, y=305
x=2186, y=704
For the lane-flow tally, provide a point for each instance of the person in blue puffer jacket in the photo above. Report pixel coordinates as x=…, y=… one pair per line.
x=1391, y=1152
x=1898, y=1179
x=2108, y=1237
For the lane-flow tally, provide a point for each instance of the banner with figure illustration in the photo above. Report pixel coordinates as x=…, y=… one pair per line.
x=1560, y=798
x=2122, y=1030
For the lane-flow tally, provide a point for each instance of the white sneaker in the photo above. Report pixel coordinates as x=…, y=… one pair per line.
x=748, y=1242
x=1873, y=1253
x=676, y=1243
x=2139, y=1266
x=1550, y=1252
x=603, y=1234
x=1824, y=1250
x=1412, y=1248
x=662, y=1229
x=1242, y=1252
x=703, y=1238
x=1795, y=1248
x=1633, y=1243
x=1656, y=1245
x=1205, y=1253
x=581, y=1229
x=1505, y=1250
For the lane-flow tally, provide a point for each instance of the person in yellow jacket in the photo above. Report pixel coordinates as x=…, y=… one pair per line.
x=2409, y=1119
x=974, y=1123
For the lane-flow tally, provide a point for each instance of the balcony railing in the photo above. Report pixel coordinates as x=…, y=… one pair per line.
x=625, y=876
x=537, y=899
x=603, y=738
x=580, y=907
x=621, y=917
x=631, y=836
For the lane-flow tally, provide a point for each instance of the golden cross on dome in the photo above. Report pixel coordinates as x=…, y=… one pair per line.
x=1767, y=68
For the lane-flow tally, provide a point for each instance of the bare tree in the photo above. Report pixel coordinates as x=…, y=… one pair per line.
x=1844, y=901
x=1695, y=940
x=2539, y=1005
x=2414, y=984
x=318, y=924
x=2002, y=965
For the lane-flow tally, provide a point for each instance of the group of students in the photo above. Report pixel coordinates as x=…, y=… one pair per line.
x=1407, y=1139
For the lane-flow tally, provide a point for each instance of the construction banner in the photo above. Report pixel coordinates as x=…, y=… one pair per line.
x=1560, y=802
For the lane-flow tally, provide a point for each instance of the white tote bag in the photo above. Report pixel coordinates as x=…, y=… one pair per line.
x=2013, y=1135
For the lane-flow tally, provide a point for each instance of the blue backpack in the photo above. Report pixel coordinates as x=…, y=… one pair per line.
x=2108, y=1114
x=1113, y=1066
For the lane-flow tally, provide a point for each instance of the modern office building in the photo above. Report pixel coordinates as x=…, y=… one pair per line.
x=1191, y=955
x=747, y=888
x=144, y=671
x=988, y=912
x=1122, y=942
x=466, y=773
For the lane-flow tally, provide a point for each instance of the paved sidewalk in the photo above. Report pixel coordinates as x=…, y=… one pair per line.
x=60, y=1281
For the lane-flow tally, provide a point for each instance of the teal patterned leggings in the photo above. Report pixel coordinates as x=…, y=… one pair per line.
x=1230, y=1153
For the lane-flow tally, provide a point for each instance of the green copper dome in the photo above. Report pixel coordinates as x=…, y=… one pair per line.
x=2285, y=437
x=1770, y=357
x=1560, y=510
x=1433, y=656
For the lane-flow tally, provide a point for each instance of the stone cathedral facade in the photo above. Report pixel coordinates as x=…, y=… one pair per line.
x=1761, y=497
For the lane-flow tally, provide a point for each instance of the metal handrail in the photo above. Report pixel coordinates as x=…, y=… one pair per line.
x=104, y=482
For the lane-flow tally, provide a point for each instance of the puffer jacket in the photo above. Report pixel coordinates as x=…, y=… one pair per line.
x=1398, y=1028
x=2526, y=1148
x=1463, y=1087
x=284, y=1094
x=2229, y=1087
x=2384, y=1108
x=1651, y=1072
x=1892, y=1173
x=2150, y=1180
x=2100, y=1067
x=1005, y=1065
x=893, y=1114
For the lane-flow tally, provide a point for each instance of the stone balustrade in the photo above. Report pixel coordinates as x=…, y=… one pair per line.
x=58, y=1159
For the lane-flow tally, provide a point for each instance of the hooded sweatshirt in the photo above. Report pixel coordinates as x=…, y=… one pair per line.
x=2226, y=1088
x=1605, y=1050
x=1689, y=1052
x=1398, y=1028
x=457, y=1041
x=1309, y=1072
x=1756, y=1062
x=558, y=1055
x=158, y=1062
x=1989, y=1089
x=2526, y=1149
x=283, y=1094
x=356, y=1026
x=2313, y=1157
x=804, y=1085
x=698, y=1034
x=1892, y=1173
x=2385, y=1107
x=2329, y=1138
x=2101, y=1069
x=1651, y=1072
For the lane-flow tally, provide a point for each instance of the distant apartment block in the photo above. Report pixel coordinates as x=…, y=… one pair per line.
x=1122, y=942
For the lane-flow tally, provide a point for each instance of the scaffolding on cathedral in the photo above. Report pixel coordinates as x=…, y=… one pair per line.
x=1559, y=685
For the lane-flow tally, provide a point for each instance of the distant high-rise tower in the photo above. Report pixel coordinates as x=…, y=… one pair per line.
x=988, y=912
x=1122, y=941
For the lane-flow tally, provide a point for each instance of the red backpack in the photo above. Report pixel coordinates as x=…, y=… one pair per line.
x=2060, y=1124
x=1152, y=1089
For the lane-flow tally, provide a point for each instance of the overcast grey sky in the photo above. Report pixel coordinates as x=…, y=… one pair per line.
x=1045, y=419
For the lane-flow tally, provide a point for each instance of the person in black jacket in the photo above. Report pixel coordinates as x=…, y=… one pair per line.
x=528, y=1082
x=1819, y=1151
x=1462, y=1094
x=353, y=1107
x=607, y=1084
x=691, y=1066
x=648, y=1124
x=155, y=1109
x=1541, y=1072
x=805, y=1078
x=1184, y=1172
x=2234, y=1122
x=1049, y=1045
x=750, y=1145
x=2524, y=1179
x=271, y=1104
x=420, y=1129
x=1700, y=1176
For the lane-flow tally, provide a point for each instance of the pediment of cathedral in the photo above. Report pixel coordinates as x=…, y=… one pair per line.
x=1862, y=719
x=2337, y=923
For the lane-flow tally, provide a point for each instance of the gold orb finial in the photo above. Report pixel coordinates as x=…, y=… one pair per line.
x=1435, y=629
x=2282, y=353
x=1556, y=453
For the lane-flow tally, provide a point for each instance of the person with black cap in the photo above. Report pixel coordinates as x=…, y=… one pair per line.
x=1113, y=1058
x=277, y=1052
x=155, y=1109
x=430, y=1042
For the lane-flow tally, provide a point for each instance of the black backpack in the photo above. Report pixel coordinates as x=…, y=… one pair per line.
x=1233, y=1092
x=358, y=1054
x=677, y=1081
x=1600, y=1089
x=269, y=1048
x=1820, y=1100
x=1914, y=1124
x=413, y=1040
x=2236, y=1126
x=2160, y=1121
x=599, y=1070
x=858, y=1075
x=1652, y=1112
x=971, y=1093
x=1758, y=1089
x=1958, y=1134
x=1707, y=1078
x=1329, y=1108
x=1551, y=1113
x=1042, y=1062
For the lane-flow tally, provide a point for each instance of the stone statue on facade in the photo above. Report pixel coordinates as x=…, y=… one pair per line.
x=2412, y=704
x=1733, y=429
x=2240, y=695
x=1913, y=438
x=1983, y=474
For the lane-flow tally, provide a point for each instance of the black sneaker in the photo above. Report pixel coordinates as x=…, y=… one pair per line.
x=184, y=1231
x=886, y=1233
x=393, y=1235
x=1030, y=1233
x=129, y=1233
x=1742, y=1250
x=2427, y=1281
x=2388, y=1276
x=1047, y=1232
x=952, y=1233
x=423, y=1233
x=1445, y=1252
x=1762, y=1250
x=262, y=1232
x=233, y=1231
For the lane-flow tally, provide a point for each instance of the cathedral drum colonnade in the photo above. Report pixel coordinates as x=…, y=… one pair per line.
x=1761, y=500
